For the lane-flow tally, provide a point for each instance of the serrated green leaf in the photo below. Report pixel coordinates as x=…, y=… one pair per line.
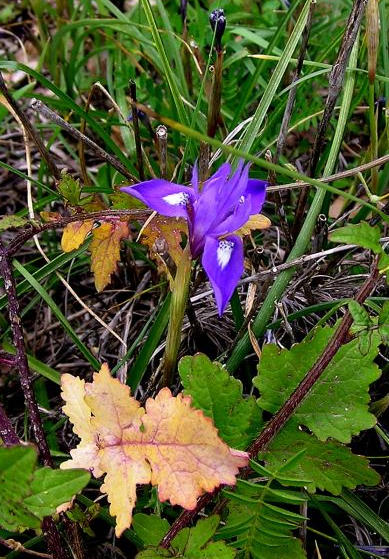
x=361, y=318
x=192, y=543
x=361, y=234
x=337, y=405
x=328, y=466
x=150, y=528
x=28, y=494
x=51, y=488
x=70, y=189
x=219, y=395
x=17, y=466
x=12, y=221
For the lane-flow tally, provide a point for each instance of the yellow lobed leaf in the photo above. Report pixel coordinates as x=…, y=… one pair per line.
x=74, y=234
x=255, y=222
x=105, y=250
x=169, y=443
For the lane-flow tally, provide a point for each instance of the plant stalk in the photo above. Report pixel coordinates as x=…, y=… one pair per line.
x=274, y=426
x=49, y=528
x=177, y=311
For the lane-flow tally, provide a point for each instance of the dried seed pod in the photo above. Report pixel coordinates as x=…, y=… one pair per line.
x=218, y=22
x=372, y=37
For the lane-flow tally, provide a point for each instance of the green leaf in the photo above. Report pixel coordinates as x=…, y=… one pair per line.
x=328, y=466
x=11, y=222
x=28, y=494
x=193, y=539
x=154, y=553
x=383, y=322
x=50, y=488
x=361, y=317
x=150, y=528
x=337, y=405
x=263, y=531
x=17, y=466
x=191, y=543
x=219, y=395
x=70, y=189
x=361, y=234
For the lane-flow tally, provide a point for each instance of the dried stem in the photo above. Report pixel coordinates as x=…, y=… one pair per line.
x=339, y=338
x=33, y=229
x=135, y=123
x=7, y=432
x=41, y=108
x=285, y=125
x=30, y=129
x=161, y=140
x=335, y=81
x=214, y=104
x=49, y=528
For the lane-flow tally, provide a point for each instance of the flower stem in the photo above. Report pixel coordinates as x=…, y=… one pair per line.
x=177, y=310
x=214, y=105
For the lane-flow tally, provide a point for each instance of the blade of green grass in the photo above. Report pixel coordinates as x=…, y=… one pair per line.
x=45, y=271
x=169, y=75
x=36, y=365
x=255, y=125
x=138, y=369
x=70, y=104
x=59, y=315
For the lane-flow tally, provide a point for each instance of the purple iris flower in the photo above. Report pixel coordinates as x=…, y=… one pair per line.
x=214, y=215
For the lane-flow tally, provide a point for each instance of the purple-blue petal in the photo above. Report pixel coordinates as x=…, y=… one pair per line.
x=223, y=262
x=257, y=189
x=218, y=178
x=235, y=220
x=164, y=197
x=195, y=178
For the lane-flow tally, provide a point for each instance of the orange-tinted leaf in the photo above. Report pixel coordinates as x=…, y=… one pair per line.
x=105, y=250
x=74, y=234
x=168, y=443
x=163, y=236
x=255, y=222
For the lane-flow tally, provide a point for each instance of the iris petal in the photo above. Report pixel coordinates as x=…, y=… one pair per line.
x=223, y=262
x=164, y=197
x=257, y=189
x=236, y=219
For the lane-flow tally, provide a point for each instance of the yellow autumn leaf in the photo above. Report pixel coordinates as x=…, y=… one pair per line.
x=167, y=443
x=255, y=222
x=105, y=250
x=74, y=234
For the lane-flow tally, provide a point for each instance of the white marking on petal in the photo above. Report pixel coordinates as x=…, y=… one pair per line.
x=242, y=199
x=177, y=199
x=223, y=253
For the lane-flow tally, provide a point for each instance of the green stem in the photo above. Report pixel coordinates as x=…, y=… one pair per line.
x=276, y=292
x=177, y=310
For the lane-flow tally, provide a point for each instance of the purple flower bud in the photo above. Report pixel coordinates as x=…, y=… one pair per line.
x=218, y=23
